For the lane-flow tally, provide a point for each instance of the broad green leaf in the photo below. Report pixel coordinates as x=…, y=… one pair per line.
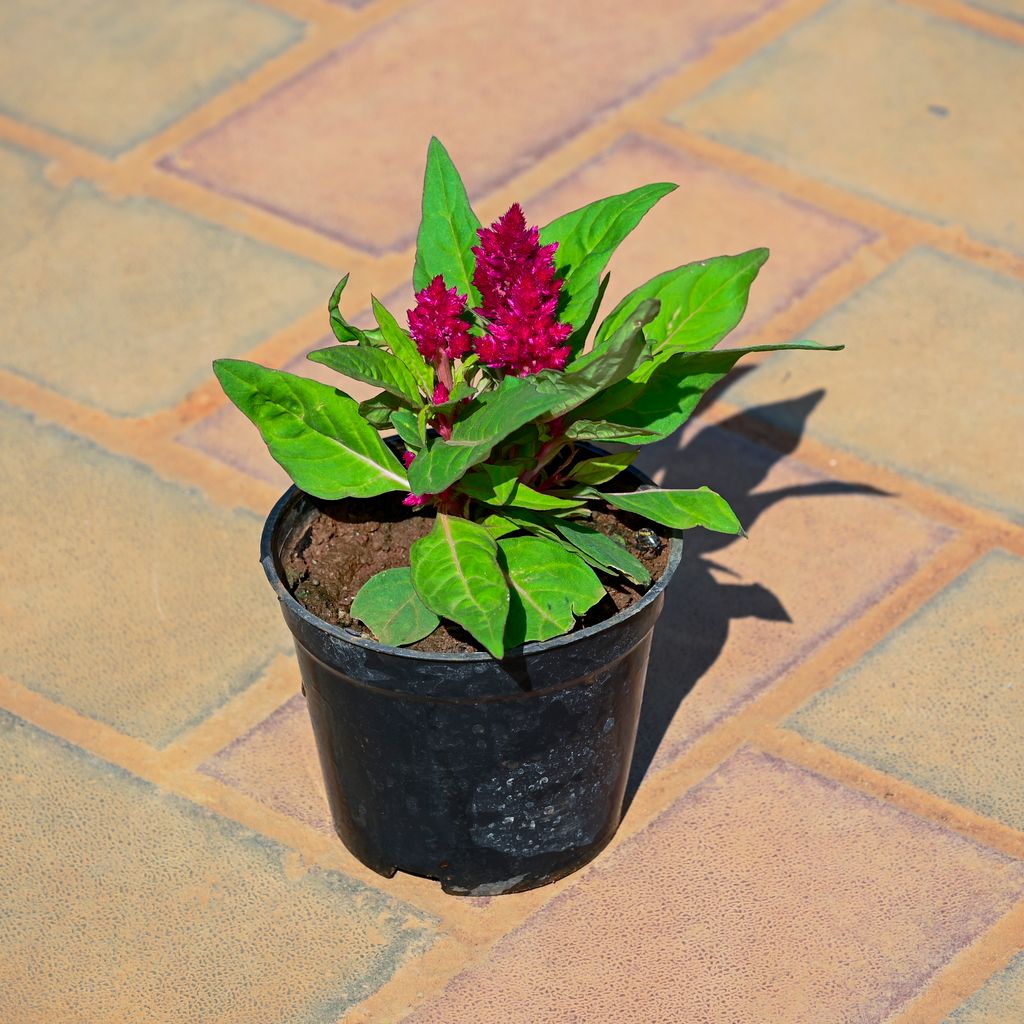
x=404, y=348
x=679, y=510
x=377, y=410
x=489, y=419
x=372, y=366
x=599, y=430
x=595, y=372
x=314, y=431
x=343, y=330
x=600, y=548
x=456, y=572
x=526, y=497
x=662, y=404
x=601, y=468
x=492, y=483
x=700, y=304
x=448, y=228
x=407, y=425
x=550, y=587
x=390, y=606
x=579, y=336
x=586, y=240
x=498, y=526
x=537, y=523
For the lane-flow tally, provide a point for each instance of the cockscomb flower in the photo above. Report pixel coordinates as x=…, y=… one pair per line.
x=515, y=276
x=437, y=325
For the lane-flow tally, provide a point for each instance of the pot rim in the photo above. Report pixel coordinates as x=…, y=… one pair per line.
x=267, y=559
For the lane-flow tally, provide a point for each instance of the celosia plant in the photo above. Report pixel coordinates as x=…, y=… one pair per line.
x=490, y=391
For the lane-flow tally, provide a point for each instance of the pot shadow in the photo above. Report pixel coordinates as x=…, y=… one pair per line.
x=697, y=606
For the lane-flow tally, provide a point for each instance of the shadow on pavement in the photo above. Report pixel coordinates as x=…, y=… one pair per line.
x=694, y=625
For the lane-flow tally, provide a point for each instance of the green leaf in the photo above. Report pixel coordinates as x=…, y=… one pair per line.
x=372, y=366
x=586, y=240
x=498, y=526
x=343, y=330
x=606, y=551
x=700, y=303
x=579, y=336
x=526, y=497
x=492, y=483
x=447, y=229
x=456, y=572
x=677, y=509
x=314, y=431
x=595, y=372
x=599, y=430
x=662, y=404
x=407, y=425
x=404, y=348
x=377, y=410
x=392, y=609
x=550, y=587
x=489, y=419
x=601, y=468
x=537, y=523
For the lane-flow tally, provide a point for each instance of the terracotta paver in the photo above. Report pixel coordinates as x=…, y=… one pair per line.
x=170, y=912
x=101, y=606
x=362, y=186
x=130, y=325
x=827, y=905
x=890, y=101
x=712, y=212
x=126, y=72
x=940, y=702
x=744, y=612
x=939, y=333
x=1000, y=1000
x=180, y=182
x=277, y=764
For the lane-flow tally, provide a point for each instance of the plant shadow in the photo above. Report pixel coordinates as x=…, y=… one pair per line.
x=698, y=607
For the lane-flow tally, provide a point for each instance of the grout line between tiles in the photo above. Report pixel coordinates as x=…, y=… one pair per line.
x=872, y=213
x=972, y=17
x=822, y=759
x=959, y=979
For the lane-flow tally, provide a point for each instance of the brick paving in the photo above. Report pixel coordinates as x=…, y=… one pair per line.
x=825, y=820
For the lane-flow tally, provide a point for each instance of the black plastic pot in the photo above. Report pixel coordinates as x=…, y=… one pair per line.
x=490, y=776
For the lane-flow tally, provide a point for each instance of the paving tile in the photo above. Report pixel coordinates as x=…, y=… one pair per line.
x=127, y=71
x=711, y=213
x=943, y=335
x=130, y=325
x=125, y=597
x=228, y=436
x=277, y=764
x=359, y=121
x=766, y=893
x=125, y=903
x=742, y=613
x=889, y=101
x=1008, y=8
x=940, y=702
x=999, y=1001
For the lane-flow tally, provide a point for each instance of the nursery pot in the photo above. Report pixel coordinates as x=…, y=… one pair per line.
x=490, y=776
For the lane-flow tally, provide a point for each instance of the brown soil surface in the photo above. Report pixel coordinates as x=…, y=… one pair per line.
x=349, y=541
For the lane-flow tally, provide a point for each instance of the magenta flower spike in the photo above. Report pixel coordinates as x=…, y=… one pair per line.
x=515, y=276
x=437, y=325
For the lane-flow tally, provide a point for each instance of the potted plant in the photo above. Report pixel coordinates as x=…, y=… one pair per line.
x=473, y=596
